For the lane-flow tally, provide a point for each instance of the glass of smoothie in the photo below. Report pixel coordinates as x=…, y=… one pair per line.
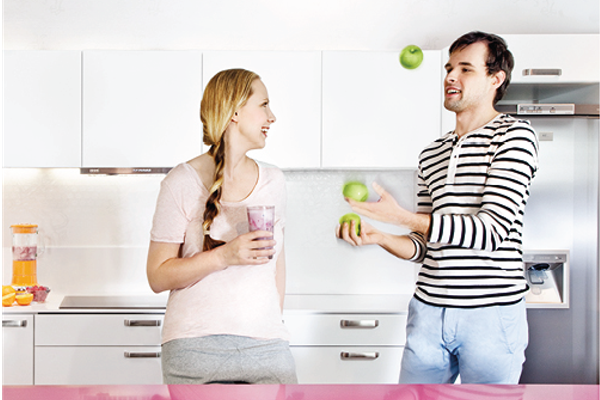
x=261, y=218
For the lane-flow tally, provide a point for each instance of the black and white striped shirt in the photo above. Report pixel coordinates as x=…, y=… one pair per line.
x=475, y=187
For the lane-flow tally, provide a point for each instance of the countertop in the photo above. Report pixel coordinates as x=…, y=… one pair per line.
x=294, y=304
x=304, y=392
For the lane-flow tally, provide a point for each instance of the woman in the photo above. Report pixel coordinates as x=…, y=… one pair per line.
x=223, y=320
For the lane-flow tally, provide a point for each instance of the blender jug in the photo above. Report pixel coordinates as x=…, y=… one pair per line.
x=24, y=249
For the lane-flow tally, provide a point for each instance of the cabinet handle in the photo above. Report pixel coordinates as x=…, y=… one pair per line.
x=344, y=355
x=362, y=324
x=14, y=323
x=142, y=354
x=142, y=322
x=542, y=72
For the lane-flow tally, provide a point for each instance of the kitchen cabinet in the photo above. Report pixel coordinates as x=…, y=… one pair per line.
x=17, y=349
x=347, y=348
x=141, y=108
x=98, y=349
x=564, y=58
x=293, y=81
x=377, y=114
x=42, y=108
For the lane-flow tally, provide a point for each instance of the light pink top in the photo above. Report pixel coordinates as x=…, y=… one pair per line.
x=240, y=300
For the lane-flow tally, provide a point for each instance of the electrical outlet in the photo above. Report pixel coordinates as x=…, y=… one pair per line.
x=546, y=136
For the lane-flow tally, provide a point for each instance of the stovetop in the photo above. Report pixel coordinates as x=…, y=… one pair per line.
x=114, y=302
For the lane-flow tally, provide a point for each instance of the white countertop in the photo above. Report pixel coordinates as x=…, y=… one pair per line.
x=294, y=304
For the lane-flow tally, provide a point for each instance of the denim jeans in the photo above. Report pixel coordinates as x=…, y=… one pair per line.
x=483, y=345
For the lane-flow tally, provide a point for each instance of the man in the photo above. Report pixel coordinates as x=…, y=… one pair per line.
x=468, y=313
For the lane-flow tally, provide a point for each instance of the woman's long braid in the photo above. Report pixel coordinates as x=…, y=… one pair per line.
x=213, y=205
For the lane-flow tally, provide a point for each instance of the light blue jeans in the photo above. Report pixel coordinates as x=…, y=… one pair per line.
x=483, y=345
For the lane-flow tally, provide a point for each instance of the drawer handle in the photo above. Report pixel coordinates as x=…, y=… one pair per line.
x=142, y=354
x=542, y=72
x=362, y=324
x=14, y=323
x=142, y=322
x=345, y=355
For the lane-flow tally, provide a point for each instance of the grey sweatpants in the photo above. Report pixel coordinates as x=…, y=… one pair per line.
x=227, y=359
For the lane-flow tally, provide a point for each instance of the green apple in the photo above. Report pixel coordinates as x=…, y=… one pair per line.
x=356, y=191
x=348, y=218
x=411, y=56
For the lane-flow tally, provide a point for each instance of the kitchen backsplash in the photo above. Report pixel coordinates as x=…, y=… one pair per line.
x=95, y=231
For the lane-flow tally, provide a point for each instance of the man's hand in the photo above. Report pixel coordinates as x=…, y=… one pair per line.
x=368, y=234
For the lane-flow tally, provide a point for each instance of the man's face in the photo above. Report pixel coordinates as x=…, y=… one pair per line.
x=467, y=85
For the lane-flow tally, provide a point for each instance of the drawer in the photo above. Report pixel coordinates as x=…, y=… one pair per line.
x=347, y=329
x=17, y=349
x=95, y=365
x=98, y=329
x=347, y=364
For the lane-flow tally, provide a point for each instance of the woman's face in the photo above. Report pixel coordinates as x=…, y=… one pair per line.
x=255, y=118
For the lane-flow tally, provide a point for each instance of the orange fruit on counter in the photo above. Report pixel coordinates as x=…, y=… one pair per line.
x=24, y=299
x=7, y=289
x=8, y=299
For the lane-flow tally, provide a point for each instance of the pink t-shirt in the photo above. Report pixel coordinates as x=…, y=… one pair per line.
x=240, y=300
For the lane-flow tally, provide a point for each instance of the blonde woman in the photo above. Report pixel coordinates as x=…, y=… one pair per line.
x=223, y=320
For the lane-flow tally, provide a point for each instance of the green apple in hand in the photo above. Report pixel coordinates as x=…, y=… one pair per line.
x=411, y=56
x=356, y=191
x=348, y=218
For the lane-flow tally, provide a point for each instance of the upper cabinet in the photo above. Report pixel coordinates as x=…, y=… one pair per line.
x=293, y=81
x=376, y=113
x=141, y=108
x=42, y=108
x=554, y=58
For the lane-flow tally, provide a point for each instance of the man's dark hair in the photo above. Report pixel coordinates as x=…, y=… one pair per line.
x=499, y=58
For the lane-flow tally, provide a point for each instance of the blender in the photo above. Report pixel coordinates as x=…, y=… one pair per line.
x=24, y=249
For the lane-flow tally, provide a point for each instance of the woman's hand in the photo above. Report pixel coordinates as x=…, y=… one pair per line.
x=244, y=249
x=368, y=234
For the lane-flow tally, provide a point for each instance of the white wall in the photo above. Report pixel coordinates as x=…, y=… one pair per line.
x=96, y=231
x=280, y=24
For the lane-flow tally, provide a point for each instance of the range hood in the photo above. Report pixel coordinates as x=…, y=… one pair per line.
x=124, y=171
x=550, y=109
x=551, y=99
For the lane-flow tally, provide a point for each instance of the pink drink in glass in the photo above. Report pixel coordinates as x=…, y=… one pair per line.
x=261, y=218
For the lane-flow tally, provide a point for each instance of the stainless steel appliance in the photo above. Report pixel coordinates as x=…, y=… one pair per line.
x=113, y=302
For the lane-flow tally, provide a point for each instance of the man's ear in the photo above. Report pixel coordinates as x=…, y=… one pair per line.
x=498, y=79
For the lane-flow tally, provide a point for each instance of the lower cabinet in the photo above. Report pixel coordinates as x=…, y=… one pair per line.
x=347, y=348
x=348, y=364
x=105, y=349
x=110, y=349
x=17, y=349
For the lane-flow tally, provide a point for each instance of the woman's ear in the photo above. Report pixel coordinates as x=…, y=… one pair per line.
x=235, y=117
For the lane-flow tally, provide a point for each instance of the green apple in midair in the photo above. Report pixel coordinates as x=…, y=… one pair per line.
x=356, y=191
x=411, y=57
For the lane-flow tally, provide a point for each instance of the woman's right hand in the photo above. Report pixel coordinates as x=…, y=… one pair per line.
x=244, y=249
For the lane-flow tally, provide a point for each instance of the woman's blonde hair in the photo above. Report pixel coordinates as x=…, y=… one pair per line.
x=224, y=94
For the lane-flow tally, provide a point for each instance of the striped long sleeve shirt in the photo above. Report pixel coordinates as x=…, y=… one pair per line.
x=475, y=187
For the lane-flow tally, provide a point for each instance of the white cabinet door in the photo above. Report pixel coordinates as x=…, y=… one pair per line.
x=346, y=329
x=17, y=349
x=98, y=365
x=42, y=109
x=293, y=81
x=555, y=58
x=98, y=349
x=141, y=108
x=347, y=365
x=98, y=329
x=377, y=113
